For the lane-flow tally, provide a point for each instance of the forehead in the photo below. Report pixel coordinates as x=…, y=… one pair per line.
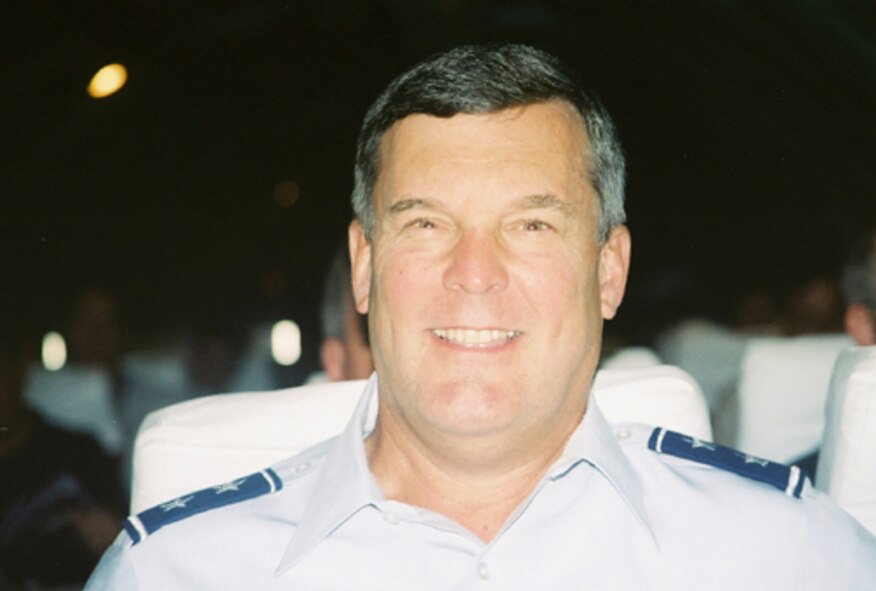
x=549, y=136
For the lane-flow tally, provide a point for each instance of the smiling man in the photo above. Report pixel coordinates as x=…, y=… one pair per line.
x=487, y=284
x=488, y=249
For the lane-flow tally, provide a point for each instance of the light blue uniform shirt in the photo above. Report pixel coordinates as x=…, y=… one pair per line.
x=609, y=514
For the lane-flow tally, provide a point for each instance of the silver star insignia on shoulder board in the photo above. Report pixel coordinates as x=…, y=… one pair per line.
x=759, y=461
x=179, y=503
x=696, y=443
x=234, y=485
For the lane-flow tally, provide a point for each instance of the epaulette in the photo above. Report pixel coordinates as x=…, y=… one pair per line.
x=789, y=479
x=144, y=524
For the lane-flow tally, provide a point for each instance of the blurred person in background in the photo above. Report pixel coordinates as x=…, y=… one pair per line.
x=60, y=498
x=814, y=307
x=859, y=283
x=95, y=330
x=205, y=363
x=85, y=395
x=213, y=354
x=345, y=353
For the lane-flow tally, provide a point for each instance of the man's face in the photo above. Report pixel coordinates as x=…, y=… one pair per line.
x=485, y=284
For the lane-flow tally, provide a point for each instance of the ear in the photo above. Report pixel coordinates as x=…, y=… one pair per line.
x=614, y=264
x=360, y=263
x=861, y=324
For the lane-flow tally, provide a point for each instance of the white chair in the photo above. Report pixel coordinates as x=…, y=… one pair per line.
x=709, y=352
x=782, y=392
x=208, y=440
x=847, y=464
x=78, y=398
x=631, y=358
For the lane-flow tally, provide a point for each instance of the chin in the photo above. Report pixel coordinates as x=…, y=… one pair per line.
x=473, y=409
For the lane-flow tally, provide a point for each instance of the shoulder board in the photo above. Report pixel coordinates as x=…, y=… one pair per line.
x=788, y=479
x=144, y=524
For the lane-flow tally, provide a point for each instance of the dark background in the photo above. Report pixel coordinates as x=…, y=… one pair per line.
x=750, y=131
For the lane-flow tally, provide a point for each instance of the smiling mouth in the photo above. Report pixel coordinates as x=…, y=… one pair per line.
x=473, y=337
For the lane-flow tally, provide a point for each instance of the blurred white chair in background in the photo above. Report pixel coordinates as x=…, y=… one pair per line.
x=631, y=358
x=782, y=391
x=77, y=398
x=847, y=463
x=200, y=442
x=709, y=352
x=255, y=368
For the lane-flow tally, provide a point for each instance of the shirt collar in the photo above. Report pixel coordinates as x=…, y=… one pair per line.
x=345, y=484
x=594, y=442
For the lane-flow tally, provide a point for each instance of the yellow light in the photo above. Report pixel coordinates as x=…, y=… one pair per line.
x=286, y=342
x=108, y=80
x=54, y=351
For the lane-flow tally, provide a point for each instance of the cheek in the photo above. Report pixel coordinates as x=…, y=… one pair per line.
x=404, y=278
x=400, y=293
x=561, y=286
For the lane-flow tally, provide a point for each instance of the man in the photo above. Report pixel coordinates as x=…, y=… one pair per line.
x=488, y=249
x=344, y=352
x=859, y=283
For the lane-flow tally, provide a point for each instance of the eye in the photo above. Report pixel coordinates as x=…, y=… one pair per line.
x=424, y=223
x=535, y=226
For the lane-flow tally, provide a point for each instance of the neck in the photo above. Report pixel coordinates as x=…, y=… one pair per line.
x=476, y=483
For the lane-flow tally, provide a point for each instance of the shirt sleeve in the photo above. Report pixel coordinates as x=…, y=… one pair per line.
x=114, y=571
x=858, y=559
x=842, y=550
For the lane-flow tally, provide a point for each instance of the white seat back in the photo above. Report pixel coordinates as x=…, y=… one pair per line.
x=661, y=395
x=78, y=398
x=709, y=352
x=781, y=395
x=208, y=440
x=631, y=358
x=847, y=463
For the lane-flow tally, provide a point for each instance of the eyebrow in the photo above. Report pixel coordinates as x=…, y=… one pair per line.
x=546, y=201
x=411, y=203
x=538, y=201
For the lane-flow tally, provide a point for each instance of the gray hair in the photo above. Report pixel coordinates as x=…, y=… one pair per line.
x=486, y=79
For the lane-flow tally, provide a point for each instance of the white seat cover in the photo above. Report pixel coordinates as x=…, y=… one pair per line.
x=782, y=392
x=709, y=352
x=847, y=464
x=201, y=442
x=631, y=358
x=77, y=398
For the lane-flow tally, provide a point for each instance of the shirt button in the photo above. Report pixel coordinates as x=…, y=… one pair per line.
x=302, y=467
x=483, y=571
x=623, y=433
x=391, y=518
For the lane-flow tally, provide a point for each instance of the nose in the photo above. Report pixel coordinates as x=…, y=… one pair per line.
x=476, y=265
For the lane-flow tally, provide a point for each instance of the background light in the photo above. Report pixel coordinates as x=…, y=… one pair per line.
x=54, y=351
x=286, y=193
x=108, y=80
x=286, y=342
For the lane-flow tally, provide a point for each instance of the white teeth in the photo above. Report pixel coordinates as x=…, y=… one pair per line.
x=477, y=338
